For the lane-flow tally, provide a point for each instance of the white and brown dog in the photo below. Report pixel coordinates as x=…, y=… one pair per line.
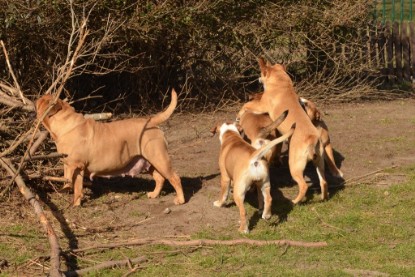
x=118, y=148
x=305, y=144
x=244, y=166
x=259, y=129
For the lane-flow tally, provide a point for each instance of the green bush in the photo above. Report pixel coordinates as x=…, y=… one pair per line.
x=207, y=50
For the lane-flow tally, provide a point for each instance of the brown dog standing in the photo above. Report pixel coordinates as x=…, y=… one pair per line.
x=315, y=116
x=305, y=144
x=118, y=148
x=244, y=165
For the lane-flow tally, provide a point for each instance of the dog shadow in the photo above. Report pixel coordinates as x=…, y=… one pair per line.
x=280, y=177
x=70, y=260
x=281, y=207
x=103, y=186
x=335, y=184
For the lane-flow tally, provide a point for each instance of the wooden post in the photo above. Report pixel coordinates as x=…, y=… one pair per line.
x=372, y=58
x=398, y=51
x=389, y=50
x=381, y=47
x=405, y=52
x=412, y=46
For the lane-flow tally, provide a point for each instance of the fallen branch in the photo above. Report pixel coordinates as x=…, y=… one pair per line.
x=104, y=265
x=202, y=242
x=19, y=90
x=13, y=103
x=98, y=116
x=49, y=178
x=30, y=197
x=43, y=135
x=354, y=180
x=41, y=157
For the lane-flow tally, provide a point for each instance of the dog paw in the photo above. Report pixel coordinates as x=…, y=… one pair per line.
x=152, y=195
x=339, y=174
x=178, y=200
x=77, y=203
x=66, y=188
x=324, y=197
x=217, y=203
x=266, y=216
x=244, y=230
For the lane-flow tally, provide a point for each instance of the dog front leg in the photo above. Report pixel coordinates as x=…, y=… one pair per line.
x=67, y=174
x=77, y=180
x=252, y=106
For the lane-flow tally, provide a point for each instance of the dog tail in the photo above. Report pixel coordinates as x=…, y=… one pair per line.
x=164, y=115
x=258, y=154
x=268, y=129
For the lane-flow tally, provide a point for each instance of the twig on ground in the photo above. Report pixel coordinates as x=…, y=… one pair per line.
x=202, y=242
x=30, y=197
x=354, y=180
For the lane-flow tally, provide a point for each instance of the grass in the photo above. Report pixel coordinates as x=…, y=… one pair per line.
x=368, y=228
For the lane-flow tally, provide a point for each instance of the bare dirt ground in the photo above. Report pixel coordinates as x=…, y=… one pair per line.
x=366, y=137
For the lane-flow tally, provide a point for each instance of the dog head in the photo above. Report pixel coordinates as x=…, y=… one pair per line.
x=271, y=72
x=311, y=109
x=45, y=105
x=221, y=128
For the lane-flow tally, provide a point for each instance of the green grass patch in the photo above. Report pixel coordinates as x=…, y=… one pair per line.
x=368, y=229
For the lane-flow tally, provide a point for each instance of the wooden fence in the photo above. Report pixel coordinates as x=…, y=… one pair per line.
x=392, y=49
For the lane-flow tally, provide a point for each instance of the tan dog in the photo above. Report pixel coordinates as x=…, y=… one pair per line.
x=259, y=129
x=305, y=144
x=119, y=148
x=316, y=117
x=244, y=165
x=253, y=123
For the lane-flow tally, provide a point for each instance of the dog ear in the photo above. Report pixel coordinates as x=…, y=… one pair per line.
x=317, y=115
x=214, y=130
x=56, y=108
x=262, y=63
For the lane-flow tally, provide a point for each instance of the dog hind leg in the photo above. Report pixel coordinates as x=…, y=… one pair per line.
x=329, y=157
x=239, y=197
x=267, y=199
x=297, y=166
x=319, y=164
x=158, y=157
x=159, y=179
x=224, y=190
